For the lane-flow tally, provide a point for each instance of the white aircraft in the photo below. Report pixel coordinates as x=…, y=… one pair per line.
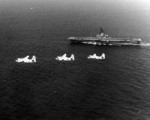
x=65, y=58
x=94, y=56
x=26, y=59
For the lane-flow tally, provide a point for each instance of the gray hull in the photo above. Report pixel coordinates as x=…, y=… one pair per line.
x=105, y=41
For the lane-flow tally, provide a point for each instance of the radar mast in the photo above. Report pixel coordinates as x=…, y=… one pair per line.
x=101, y=30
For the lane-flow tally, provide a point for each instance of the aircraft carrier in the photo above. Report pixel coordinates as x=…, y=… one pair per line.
x=104, y=39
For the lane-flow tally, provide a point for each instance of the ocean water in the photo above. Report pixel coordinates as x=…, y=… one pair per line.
x=116, y=88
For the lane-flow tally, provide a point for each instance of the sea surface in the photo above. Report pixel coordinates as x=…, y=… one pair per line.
x=116, y=88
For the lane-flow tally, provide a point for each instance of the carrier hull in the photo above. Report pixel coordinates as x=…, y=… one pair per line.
x=104, y=39
x=112, y=41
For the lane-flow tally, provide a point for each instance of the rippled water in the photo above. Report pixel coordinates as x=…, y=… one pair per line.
x=117, y=88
